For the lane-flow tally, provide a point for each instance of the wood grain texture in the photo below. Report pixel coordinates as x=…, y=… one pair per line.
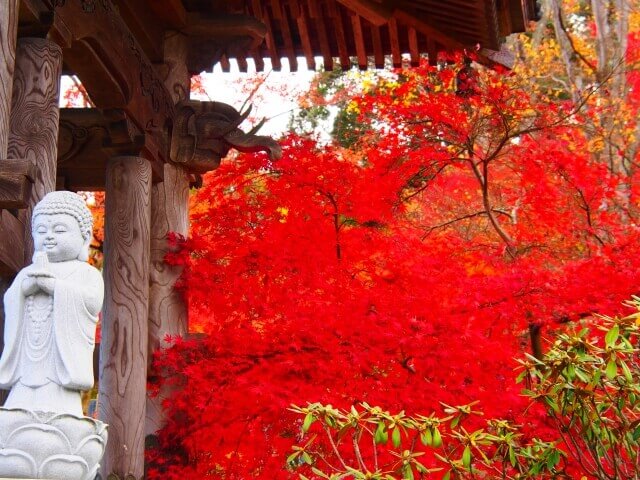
x=33, y=134
x=123, y=350
x=167, y=307
x=8, y=33
x=11, y=244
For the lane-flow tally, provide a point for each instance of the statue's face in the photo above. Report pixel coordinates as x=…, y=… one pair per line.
x=58, y=235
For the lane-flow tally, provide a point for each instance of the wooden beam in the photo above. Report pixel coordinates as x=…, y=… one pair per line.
x=341, y=38
x=358, y=37
x=305, y=37
x=124, y=346
x=8, y=35
x=16, y=180
x=394, y=40
x=171, y=12
x=12, y=236
x=376, y=13
x=112, y=65
x=318, y=19
x=144, y=25
x=413, y=47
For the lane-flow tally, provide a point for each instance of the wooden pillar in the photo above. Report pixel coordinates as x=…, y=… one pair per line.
x=169, y=213
x=8, y=33
x=35, y=113
x=123, y=352
x=167, y=308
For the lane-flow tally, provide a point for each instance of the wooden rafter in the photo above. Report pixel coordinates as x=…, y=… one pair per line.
x=378, y=54
x=263, y=16
x=414, y=51
x=305, y=36
x=361, y=50
x=376, y=13
x=396, y=54
x=318, y=19
x=343, y=52
x=289, y=48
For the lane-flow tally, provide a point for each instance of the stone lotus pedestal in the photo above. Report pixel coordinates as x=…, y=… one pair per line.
x=49, y=446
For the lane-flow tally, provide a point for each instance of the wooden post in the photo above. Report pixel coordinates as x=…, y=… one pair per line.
x=35, y=113
x=167, y=308
x=169, y=213
x=123, y=352
x=8, y=33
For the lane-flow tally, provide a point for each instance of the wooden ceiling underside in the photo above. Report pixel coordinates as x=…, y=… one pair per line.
x=364, y=32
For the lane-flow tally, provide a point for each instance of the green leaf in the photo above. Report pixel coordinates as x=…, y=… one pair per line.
x=308, y=420
x=612, y=335
x=612, y=369
x=447, y=475
x=407, y=473
x=466, y=457
x=307, y=458
x=395, y=437
x=437, y=439
x=427, y=438
x=381, y=435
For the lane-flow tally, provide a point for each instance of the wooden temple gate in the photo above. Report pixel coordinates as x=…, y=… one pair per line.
x=144, y=143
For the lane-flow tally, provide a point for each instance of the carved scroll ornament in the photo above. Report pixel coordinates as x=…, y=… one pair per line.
x=204, y=132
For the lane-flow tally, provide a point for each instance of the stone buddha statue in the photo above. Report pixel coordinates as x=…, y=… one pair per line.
x=51, y=312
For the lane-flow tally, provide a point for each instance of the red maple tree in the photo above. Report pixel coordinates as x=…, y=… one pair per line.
x=407, y=269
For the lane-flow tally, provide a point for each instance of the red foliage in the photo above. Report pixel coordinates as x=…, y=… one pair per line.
x=403, y=273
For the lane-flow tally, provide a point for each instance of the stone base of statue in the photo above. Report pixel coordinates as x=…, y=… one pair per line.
x=53, y=446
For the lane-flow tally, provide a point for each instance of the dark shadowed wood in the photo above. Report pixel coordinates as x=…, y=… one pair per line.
x=144, y=25
x=33, y=134
x=359, y=38
x=172, y=12
x=112, y=64
x=8, y=32
x=174, y=72
x=11, y=244
x=243, y=66
x=428, y=30
x=375, y=13
x=123, y=350
x=16, y=179
x=167, y=308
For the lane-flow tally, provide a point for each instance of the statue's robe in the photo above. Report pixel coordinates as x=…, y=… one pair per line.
x=67, y=368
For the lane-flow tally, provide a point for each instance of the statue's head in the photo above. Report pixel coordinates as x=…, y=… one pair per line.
x=61, y=225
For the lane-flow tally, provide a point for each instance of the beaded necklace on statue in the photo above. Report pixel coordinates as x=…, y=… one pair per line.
x=39, y=327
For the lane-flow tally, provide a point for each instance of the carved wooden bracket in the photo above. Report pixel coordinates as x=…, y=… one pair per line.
x=88, y=138
x=204, y=132
x=16, y=179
